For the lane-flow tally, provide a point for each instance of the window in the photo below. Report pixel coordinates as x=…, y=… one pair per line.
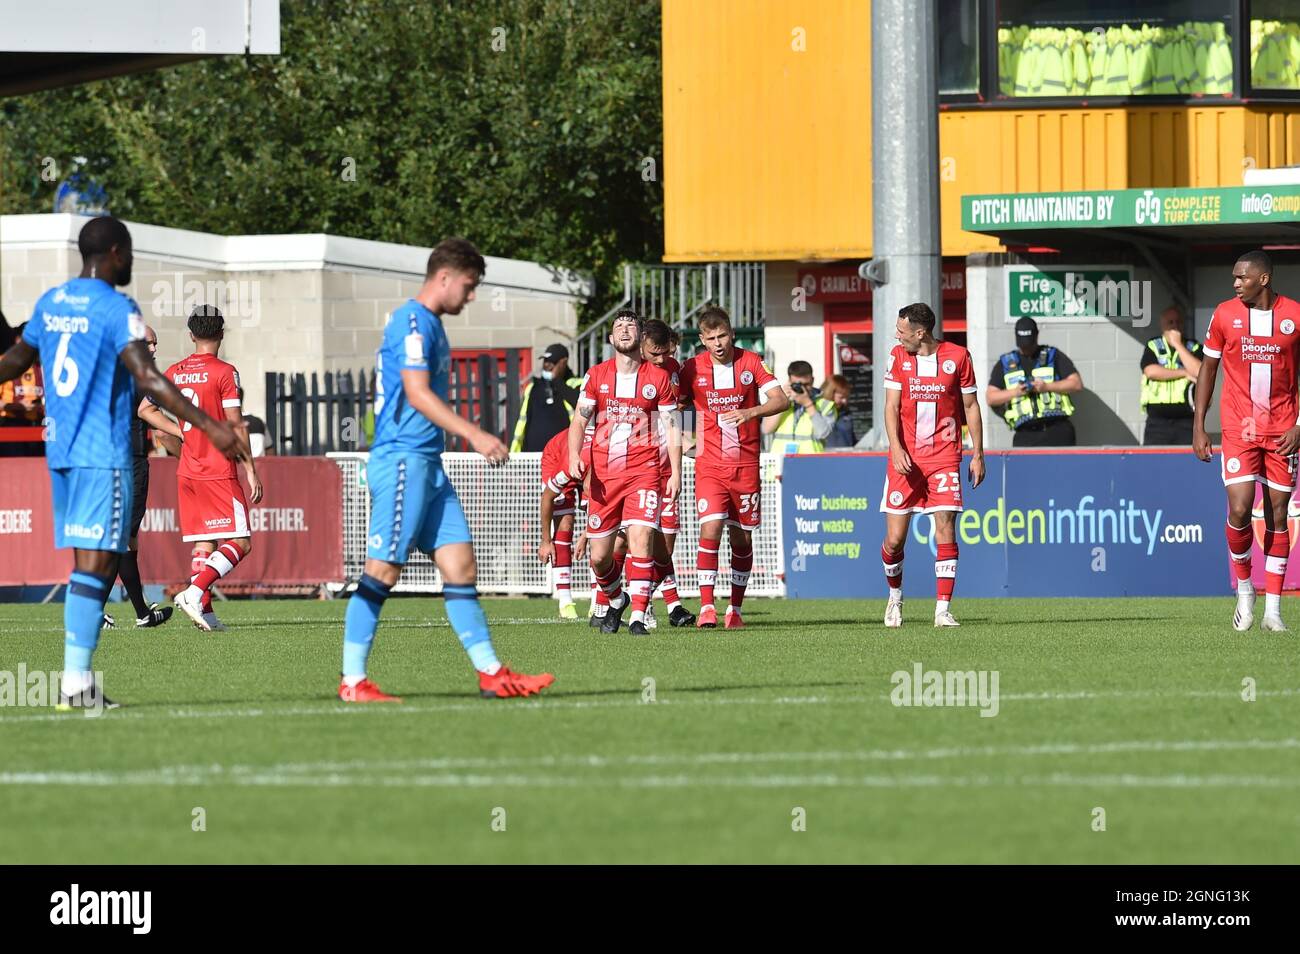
x=1274, y=45
x=958, y=29
x=1062, y=48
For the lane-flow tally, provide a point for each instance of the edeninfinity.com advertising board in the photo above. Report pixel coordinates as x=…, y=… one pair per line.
x=1077, y=523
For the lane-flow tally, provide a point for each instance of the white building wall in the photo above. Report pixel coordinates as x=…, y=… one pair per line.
x=789, y=334
x=293, y=303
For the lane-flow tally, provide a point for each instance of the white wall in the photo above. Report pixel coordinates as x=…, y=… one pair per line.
x=791, y=335
x=293, y=303
x=1107, y=355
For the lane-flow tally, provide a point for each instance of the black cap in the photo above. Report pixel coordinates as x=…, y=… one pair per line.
x=555, y=352
x=1026, y=327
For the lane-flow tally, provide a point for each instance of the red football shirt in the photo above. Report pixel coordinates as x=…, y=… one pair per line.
x=211, y=385
x=555, y=461
x=628, y=432
x=674, y=369
x=1258, y=352
x=932, y=412
x=714, y=389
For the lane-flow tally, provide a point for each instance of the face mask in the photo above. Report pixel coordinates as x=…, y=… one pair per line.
x=548, y=375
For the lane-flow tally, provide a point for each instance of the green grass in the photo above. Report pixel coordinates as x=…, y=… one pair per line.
x=1133, y=706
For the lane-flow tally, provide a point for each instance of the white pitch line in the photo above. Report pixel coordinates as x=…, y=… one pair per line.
x=358, y=771
x=455, y=780
x=633, y=700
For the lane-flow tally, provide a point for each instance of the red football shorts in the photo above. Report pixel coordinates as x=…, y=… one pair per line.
x=733, y=494
x=212, y=509
x=621, y=501
x=667, y=508
x=932, y=485
x=1257, y=460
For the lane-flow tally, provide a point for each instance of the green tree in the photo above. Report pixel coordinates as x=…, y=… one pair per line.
x=521, y=124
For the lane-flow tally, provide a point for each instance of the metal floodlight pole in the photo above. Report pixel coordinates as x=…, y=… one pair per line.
x=906, y=267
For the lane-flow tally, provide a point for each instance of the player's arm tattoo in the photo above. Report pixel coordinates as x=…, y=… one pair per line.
x=16, y=360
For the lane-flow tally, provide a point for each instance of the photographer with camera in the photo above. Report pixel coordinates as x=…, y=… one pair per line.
x=804, y=427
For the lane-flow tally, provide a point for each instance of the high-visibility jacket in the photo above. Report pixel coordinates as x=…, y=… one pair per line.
x=1218, y=77
x=566, y=391
x=794, y=432
x=1167, y=392
x=1127, y=60
x=1027, y=407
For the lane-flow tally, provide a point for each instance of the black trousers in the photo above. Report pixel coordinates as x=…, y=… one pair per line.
x=1168, y=430
x=139, y=492
x=1050, y=432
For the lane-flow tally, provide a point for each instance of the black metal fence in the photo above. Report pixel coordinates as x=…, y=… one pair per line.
x=318, y=414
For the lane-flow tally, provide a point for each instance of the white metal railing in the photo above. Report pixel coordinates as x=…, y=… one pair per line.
x=676, y=294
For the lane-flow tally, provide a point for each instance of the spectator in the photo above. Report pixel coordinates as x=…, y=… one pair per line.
x=548, y=402
x=809, y=420
x=257, y=439
x=22, y=404
x=1169, y=369
x=837, y=389
x=1033, y=384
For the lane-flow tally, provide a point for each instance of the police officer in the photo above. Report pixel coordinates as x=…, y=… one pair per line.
x=548, y=402
x=809, y=420
x=1033, y=384
x=1170, y=365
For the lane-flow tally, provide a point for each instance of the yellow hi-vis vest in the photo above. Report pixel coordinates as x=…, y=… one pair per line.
x=796, y=436
x=1167, y=392
x=1027, y=407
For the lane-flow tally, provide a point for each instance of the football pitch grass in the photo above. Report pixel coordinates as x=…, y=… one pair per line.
x=1129, y=706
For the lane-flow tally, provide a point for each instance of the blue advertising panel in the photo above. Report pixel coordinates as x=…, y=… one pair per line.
x=1072, y=523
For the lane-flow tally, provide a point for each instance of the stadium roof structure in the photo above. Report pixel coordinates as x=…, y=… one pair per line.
x=1256, y=214
x=66, y=42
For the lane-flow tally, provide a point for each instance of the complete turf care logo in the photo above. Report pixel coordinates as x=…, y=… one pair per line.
x=932, y=687
x=103, y=907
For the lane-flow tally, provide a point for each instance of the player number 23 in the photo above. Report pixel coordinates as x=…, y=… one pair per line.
x=946, y=482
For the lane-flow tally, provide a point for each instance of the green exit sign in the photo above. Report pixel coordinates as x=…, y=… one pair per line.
x=1093, y=293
